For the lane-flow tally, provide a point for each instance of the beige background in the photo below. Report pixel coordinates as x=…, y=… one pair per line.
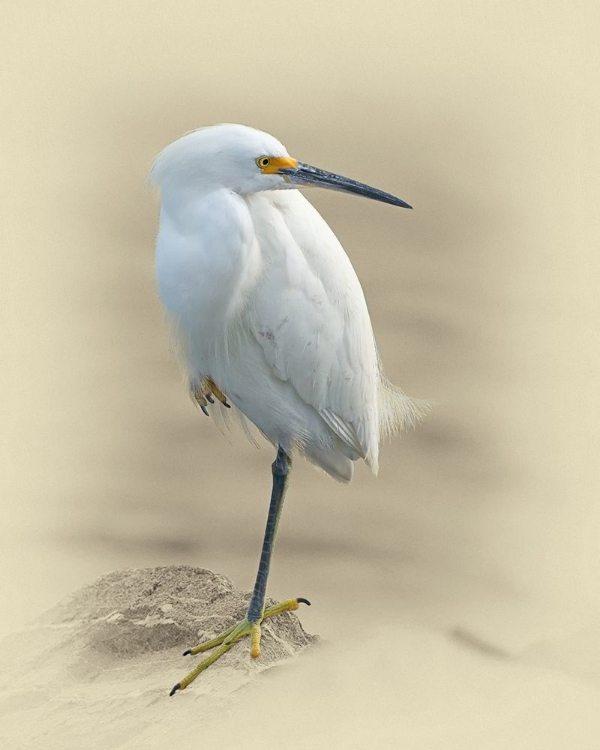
x=484, y=116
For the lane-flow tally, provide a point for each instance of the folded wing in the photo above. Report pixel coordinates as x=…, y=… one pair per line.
x=310, y=317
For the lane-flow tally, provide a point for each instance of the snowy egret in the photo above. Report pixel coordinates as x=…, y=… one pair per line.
x=270, y=318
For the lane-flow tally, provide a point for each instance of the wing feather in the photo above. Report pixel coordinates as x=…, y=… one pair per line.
x=310, y=317
x=344, y=430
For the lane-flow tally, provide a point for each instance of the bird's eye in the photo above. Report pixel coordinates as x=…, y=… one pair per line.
x=263, y=161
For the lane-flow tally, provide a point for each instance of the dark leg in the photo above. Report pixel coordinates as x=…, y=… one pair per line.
x=281, y=469
x=250, y=625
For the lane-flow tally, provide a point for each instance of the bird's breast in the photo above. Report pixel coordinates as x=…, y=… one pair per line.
x=206, y=263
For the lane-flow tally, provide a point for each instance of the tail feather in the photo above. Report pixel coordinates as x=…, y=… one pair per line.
x=332, y=461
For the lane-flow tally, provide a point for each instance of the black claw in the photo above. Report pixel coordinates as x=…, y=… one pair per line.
x=226, y=404
x=209, y=398
x=301, y=600
x=175, y=689
x=186, y=653
x=204, y=409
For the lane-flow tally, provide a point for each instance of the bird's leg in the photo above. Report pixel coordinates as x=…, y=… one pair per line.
x=250, y=625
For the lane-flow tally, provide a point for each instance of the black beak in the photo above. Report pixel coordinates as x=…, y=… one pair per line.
x=304, y=174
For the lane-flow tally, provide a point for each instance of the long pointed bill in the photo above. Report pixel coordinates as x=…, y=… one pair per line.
x=304, y=174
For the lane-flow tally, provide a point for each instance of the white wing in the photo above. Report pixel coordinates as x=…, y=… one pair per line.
x=310, y=317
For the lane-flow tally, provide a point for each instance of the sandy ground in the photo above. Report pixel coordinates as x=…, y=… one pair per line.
x=91, y=673
x=481, y=537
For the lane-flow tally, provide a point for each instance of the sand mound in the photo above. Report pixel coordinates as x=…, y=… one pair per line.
x=115, y=647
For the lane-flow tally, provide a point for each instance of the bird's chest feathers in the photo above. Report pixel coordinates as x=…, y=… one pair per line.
x=206, y=260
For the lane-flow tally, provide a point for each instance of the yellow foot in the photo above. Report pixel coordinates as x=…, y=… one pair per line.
x=231, y=636
x=203, y=392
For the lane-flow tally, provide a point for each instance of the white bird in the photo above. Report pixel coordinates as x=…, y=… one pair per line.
x=269, y=317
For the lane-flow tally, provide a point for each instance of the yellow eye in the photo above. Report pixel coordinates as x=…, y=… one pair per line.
x=263, y=161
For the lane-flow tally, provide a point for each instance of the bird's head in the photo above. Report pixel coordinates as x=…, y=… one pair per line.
x=245, y=161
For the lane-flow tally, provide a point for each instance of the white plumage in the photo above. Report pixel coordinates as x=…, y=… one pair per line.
x=265, y=302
